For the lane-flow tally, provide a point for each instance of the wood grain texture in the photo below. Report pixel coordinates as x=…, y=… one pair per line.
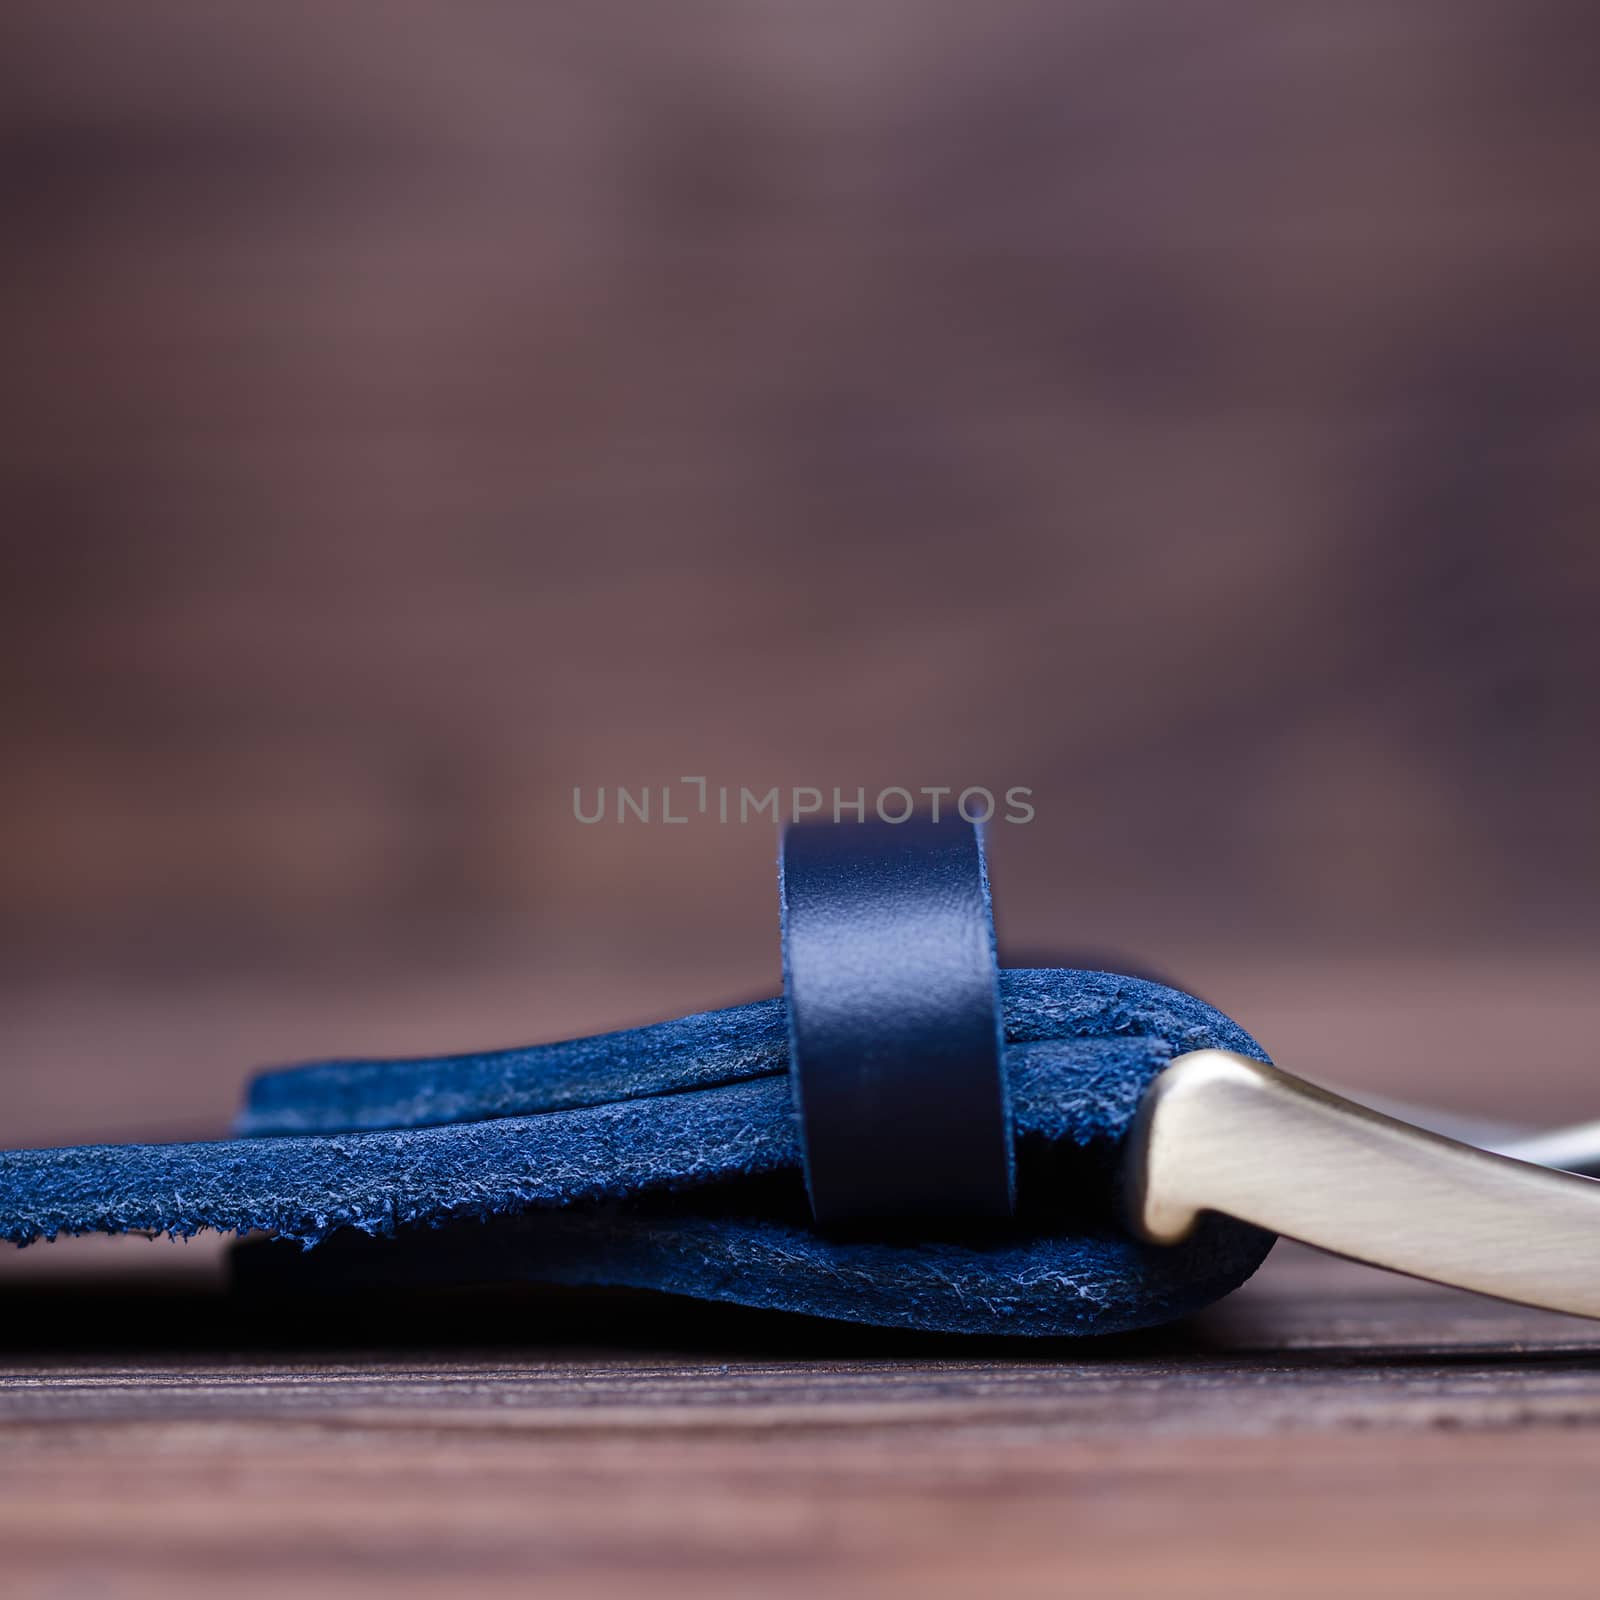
x=1328, y=1432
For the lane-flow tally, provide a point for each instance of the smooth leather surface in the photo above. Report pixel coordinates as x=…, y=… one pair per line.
x=890, y=975
x=669, y=1158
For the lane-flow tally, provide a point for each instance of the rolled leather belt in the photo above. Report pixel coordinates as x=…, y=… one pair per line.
x=672, y=1157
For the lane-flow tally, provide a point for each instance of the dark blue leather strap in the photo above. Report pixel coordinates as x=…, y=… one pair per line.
x=656, y=1159
x=894, y=1019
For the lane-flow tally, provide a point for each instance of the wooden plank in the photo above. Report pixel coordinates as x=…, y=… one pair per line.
x=1329, y=1430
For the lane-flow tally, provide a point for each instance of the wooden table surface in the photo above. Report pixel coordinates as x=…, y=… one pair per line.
x=1328, y=1431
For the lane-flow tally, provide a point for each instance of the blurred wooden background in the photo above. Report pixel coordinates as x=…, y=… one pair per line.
x=410, y=413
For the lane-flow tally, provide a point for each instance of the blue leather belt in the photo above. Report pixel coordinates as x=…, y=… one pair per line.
x=894, y=1022
x=672, y=1158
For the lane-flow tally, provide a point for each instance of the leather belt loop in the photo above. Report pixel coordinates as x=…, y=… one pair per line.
x=894, y=1021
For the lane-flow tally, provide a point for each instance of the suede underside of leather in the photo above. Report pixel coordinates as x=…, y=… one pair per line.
x=668, y=1158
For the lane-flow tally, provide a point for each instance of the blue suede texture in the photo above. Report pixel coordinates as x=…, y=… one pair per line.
x=1093, y=1280
x=693, y=1052
x=669, y=1158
